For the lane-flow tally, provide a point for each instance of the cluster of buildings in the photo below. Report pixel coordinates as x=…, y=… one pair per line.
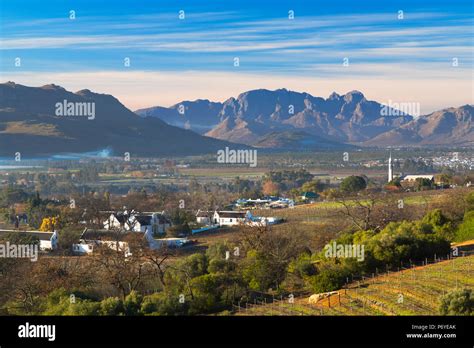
x=233, y=218
x=454, y=161
x=407, y=179
x=269, y=202
x=120, y=225
x=154, y=222
x=91, y=239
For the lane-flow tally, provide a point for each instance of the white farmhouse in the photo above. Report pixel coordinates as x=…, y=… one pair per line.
x=156, y=223
x=47, y=240
x=229, y=218
x=204, y=217
x=412, y=178
x=116, y=221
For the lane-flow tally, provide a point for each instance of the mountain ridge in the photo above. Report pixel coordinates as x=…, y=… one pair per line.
x=254, y=115
x=29, y=124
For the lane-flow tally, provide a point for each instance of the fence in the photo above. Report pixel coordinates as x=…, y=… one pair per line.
x=360, y=302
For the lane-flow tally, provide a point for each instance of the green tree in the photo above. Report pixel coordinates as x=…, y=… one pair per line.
x=313, y=186
x=331, y=276
x=111, y=306
x=132, y=303
x=465, y=230
x=457, y=302
x=353, y=184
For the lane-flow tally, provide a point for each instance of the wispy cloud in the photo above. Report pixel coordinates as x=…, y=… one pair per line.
x=389, y=58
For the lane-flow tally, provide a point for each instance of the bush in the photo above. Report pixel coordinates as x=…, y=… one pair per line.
x=132, y=303
x=465, y=231
x=331, y=276
x=457, y=302
x=151, y=303
x=111, y=306
x=353, y=183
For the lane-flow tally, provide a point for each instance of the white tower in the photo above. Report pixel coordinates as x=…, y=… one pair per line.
x=390, y=168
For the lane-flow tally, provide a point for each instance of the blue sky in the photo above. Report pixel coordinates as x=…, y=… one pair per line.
x=172, y=59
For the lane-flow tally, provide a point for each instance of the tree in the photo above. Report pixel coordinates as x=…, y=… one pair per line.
x=121, y=270
x=111, y=306
x=465, y=231
x=268, y=254
x=423, y=184
x=353, y=184
x=330, y=276
x=457, y=302
x=313, y=186
x=360, y=210
x=270, y=188
x=49, y=224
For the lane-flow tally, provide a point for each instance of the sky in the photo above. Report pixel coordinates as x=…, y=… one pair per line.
x=392, y=51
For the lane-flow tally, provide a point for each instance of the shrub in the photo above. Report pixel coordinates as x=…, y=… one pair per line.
x=132, y=303
x=465, y=231
x=331, y=276
x=457, y=302
x=111, y=306
x=353, y=184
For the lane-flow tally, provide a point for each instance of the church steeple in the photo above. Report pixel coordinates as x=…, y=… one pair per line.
x=390, y=168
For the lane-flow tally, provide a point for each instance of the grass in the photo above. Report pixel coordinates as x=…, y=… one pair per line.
x=415, y=291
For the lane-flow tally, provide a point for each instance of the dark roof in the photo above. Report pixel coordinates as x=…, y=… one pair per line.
x=143, y=219
x=122, y=218
x=310, y=194
x=231, y=214
x=38, y=234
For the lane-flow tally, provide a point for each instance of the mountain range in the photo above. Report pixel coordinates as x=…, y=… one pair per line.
x=30, y=124
x=288, y=119
x=280, y=120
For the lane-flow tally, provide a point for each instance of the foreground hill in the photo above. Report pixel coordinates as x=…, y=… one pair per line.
x=420, y=288
x=29, y=124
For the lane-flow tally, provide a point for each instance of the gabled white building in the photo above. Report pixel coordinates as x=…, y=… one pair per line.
x=229, y=218
x=204, y=217
x=47, y=240
x=116, y=221
x=155, y=222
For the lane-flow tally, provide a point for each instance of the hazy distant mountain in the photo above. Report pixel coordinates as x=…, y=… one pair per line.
x=255, y=114
x=29, y=124
x=199, y=115
x=297, y=140
x=453, y=126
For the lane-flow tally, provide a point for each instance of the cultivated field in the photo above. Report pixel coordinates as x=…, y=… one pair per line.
x=411, y=291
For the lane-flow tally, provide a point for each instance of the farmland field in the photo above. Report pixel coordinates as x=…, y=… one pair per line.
x=411, y=291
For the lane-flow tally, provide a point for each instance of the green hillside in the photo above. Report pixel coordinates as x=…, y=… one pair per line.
x=413, y=291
